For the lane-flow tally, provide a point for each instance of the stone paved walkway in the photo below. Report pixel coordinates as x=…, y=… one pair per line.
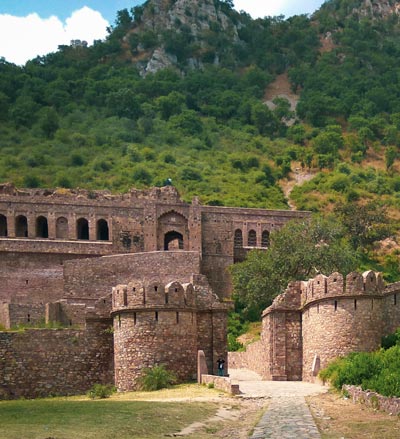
x=288, y=415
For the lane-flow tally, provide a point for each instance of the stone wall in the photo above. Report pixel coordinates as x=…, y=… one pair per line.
x=147, y=338
x=221, y=383
x=89, y=279
x=42, y=362
x=373, y=400
x=316, y=321
x=13, y=314
x=253, y=358
x=157, y=323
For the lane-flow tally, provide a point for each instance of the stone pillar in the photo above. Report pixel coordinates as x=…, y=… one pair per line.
x=195, y=234
x=150, y=228
x=11, y=223
x=72, y=226
x=51, y=224
x=92, y=227
x=31, y=219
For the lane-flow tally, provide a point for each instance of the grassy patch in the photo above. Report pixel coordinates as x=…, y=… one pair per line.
x=337, y=417
x=66, y=418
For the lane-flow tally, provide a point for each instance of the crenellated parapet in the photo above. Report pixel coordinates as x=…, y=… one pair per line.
x=138, y=295
x=322, y=287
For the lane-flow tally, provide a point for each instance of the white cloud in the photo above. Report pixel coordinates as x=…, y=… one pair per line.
x=258, y=8
x=23, y=38
x=262, y=8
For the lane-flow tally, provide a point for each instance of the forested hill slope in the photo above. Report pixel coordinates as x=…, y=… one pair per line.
x=177, y=90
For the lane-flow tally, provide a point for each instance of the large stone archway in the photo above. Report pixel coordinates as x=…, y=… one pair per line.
x=172, y=232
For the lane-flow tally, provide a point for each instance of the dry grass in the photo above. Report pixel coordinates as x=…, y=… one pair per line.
x=337, y=417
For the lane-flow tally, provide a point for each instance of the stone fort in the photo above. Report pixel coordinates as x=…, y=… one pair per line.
x=135, y=279
x=140, y=279
x=315, y=321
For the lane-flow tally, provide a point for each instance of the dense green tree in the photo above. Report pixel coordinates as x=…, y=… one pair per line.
x=365, y=223
x=298, y=251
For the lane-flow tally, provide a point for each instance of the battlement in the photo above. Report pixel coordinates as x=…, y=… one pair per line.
x=336, y=285
x=167, y=194
x=138, y=295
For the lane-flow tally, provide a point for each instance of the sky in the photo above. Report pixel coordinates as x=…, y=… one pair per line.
x=29, y=28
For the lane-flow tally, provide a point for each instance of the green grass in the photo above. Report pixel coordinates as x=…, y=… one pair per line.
x=69, y=418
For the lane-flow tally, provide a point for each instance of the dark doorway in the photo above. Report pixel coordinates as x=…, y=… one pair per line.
x=42, y=229
x=82, y=228
x=3, y=226
x=173, y=241
x=102, y=230
x=21, y=227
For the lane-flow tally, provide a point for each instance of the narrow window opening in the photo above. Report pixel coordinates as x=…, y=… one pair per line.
x=29, y=318
x=395, y=299
x=252, y=238
x=335, y=305
x=372, y=304
x=177, y=317
x=134, y=318
x=166, y=299
x=355, y=304
x=156, y=316
x=125, y=298
x=26, y=281
x=3, y=226
x=265, y=242
x=238, y=239
x=155, y=289
x=176, y=290
x=119, y=321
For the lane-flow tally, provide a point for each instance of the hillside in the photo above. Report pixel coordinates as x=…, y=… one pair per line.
x=238, y=111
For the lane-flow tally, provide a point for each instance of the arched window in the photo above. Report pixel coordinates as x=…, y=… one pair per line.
x=173, y=241
x=3, y=226
x=82, y=228
x=102, y=230
x=62, y=228
x=252, y=239
x=238, y=239
x=42, y=229
x=265, y=239
x=21, y=226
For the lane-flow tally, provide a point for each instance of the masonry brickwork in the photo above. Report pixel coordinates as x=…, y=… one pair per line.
x=313, y=322
x=42, y=362
x=64, y=251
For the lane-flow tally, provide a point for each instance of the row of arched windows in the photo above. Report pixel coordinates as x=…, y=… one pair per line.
x=42, y=228
x=251, y=239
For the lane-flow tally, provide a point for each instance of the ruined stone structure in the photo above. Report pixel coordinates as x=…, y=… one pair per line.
x=313, y=322
x=62, y=254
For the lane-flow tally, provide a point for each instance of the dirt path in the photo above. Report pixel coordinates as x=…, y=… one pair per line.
x=298, y=177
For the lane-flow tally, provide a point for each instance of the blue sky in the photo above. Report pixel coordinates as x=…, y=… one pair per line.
x=36, y=27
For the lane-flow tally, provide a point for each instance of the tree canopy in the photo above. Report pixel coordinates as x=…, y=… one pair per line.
x=298, y=251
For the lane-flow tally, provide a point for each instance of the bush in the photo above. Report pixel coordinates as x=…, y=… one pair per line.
x=376, y=371
x=101, y=391
x=156, y=378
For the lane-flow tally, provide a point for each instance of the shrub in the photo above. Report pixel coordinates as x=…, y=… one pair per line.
x=156, y=377
x=101, y=391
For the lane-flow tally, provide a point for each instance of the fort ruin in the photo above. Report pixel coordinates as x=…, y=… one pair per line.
x=315, y=321
x=139, y=278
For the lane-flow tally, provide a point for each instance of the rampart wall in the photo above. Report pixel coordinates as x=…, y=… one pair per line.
x=90, y=279
x=156, y=323
x=316, y=321
x=41, y=362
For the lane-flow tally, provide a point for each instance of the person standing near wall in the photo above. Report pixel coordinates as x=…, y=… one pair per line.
x=220, y=365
